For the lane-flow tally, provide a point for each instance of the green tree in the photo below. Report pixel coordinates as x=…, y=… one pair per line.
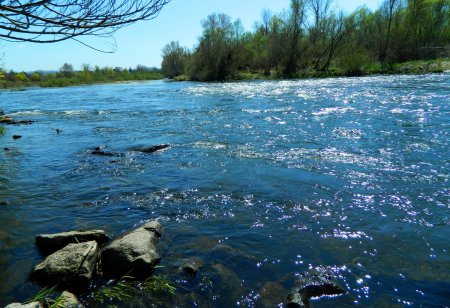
x=175, y=60
x=66, y=70
x=214, y=57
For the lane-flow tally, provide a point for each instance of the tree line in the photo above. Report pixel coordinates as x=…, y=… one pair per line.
x=310, y=38
x=68, y=76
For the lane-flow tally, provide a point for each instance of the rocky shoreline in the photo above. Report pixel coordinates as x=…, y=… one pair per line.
x=75, y=260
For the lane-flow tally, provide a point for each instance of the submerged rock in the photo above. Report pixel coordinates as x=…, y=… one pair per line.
x=17, y=136
x=25, y=122
x=150, y=149
x=29, y=305
x=49, y=243
x=272, y=294
x=192, y=265
x=103, y=153
x=71, y=267
x=315, y=283
x=134, y=254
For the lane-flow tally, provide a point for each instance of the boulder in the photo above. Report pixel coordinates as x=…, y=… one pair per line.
x=69, y=300
x=150, y=149
x=29, y=305
x=134, y=254
x=49, y=243
x=71, y=267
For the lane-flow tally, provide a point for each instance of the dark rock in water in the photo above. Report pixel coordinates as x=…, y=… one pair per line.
x=102, y=153
x=150, y=149
x=25, y=122
x=58, y=131
x=69, y=300
x=1, y=112
x=191, y=266
x=4, y=203
x=28, y=305
x=318, y=283
x=17, y=137
x=315, y=283
x=134, y=254
x=71, y=267
x=6, y=149
x=49, y=243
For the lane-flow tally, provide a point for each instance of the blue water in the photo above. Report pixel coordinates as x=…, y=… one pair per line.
x=263, y=180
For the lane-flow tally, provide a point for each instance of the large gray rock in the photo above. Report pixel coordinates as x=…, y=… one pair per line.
x=134, y=254
x=49, y=243
x=71, y=267
x=29, y=305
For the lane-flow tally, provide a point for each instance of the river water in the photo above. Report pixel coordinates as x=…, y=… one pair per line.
x=263, y=180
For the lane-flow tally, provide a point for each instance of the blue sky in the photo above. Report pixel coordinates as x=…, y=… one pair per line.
x=141, y=43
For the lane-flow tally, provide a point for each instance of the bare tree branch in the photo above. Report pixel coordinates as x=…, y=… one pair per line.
x=48, y=21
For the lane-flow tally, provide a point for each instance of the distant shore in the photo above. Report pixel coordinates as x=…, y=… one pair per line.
x=407, y=68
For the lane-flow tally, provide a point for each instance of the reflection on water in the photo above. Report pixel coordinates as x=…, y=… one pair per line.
x=263, y=180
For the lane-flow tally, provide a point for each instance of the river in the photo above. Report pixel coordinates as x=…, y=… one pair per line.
x=264, y=179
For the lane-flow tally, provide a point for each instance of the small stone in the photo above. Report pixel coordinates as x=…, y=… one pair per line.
x=6, y=120
x=192, y=266
x=6, y=149
x=17, y=137
x=294, y=300
x=69, y=300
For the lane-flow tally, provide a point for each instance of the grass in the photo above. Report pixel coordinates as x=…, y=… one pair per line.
x=126, y=288
x=48, y=296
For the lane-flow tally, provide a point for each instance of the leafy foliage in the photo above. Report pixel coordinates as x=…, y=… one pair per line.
x=67, y=76
x=312, y=39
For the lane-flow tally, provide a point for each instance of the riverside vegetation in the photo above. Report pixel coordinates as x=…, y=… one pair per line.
x=310, y=39
x=67, y=76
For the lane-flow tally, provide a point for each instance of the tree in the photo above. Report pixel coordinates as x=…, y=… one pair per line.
x=214, y=58
x=174, y=60
x=66, y=70
x=45, y=21
x=294, y=32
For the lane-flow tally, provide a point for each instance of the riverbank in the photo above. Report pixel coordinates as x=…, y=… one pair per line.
x=56, y=80
x=351, y=70
x=406, y=68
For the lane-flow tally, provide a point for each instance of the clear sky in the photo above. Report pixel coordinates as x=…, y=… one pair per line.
x=141, y=43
